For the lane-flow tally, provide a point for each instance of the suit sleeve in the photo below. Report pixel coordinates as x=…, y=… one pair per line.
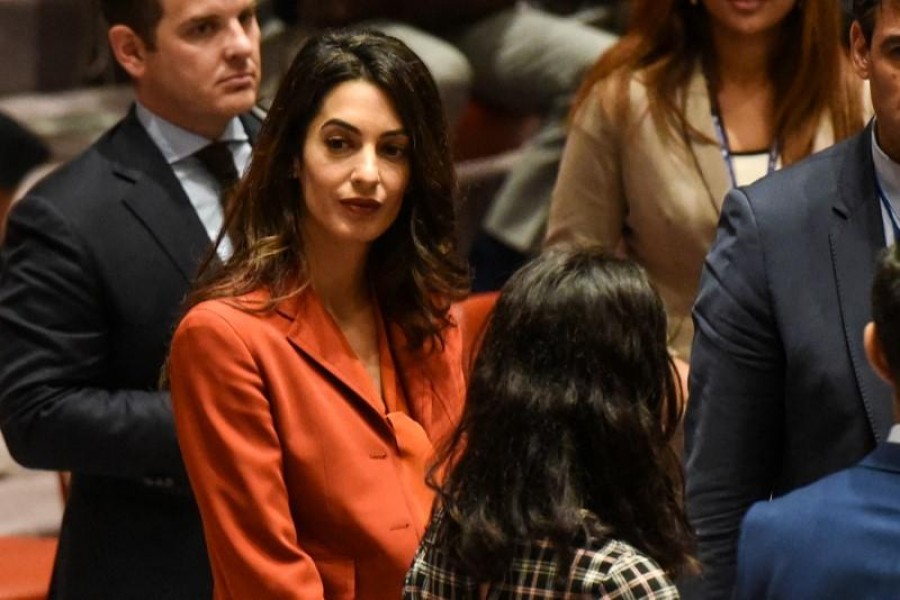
x=234, y=459
x=54, y=326
x=588, y=205
x=734, y=422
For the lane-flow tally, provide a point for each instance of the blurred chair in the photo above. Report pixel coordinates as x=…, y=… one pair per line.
x=26, y=561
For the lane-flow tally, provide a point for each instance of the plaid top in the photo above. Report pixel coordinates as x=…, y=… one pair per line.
x=605, y=569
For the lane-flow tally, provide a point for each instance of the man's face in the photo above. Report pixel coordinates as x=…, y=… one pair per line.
x=879, y=62
x=204, y=68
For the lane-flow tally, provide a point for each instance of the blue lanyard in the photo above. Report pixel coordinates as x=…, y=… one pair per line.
x=890, y=210
x=726, y=148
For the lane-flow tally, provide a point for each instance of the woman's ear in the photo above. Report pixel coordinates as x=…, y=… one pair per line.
x=129, y=49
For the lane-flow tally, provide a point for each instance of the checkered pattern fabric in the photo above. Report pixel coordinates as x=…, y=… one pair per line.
x=606, y=569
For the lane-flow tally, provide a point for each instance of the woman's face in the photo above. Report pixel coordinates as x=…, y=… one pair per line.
x=355, y=166
x=748, y=17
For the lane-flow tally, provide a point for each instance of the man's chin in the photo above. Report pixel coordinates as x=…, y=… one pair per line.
x=239, y=103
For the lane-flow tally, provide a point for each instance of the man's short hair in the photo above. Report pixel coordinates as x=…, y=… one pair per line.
x=886, y=307
x=141, y=16
x=864, y=14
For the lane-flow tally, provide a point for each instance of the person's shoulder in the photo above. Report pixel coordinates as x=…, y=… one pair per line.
x=237, y=311
x=611, y=564
x=792, y=511
x=83, y=180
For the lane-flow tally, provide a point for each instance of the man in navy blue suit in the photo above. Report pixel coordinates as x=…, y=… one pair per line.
x=781, y=394
x=839, y=537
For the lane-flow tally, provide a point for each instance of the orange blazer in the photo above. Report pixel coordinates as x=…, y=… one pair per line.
x=302, y=479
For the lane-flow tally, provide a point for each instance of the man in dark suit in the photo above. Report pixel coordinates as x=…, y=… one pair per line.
x=780, y=391
x=840, y=536
x=98, y=258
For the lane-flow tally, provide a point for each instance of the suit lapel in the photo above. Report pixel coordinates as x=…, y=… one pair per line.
x=856, y=236
x=156, y=197
x=315, y=334
x=706, y=152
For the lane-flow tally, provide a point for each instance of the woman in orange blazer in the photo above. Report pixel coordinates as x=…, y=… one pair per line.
x=318, y=367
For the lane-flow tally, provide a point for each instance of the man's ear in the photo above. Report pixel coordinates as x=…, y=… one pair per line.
x=129, y=49
x=875, y=354
x=860, y=54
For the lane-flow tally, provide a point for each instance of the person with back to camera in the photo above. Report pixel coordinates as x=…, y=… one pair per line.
x=316, y=369
x=698, y=97
x=96, y=262
x=840, y=536
x=561, y=479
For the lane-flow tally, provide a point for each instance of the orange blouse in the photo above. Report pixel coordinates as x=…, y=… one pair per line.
x=310, y=484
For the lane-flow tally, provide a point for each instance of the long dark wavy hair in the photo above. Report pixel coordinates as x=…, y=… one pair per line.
x=571, y=405
x=413, y=267
x=666, y=39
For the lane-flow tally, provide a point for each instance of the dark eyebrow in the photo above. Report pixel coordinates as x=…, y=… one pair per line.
x=890, y=40
x=345, y=125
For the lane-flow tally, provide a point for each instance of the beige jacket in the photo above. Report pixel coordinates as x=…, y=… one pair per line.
x=624, y=187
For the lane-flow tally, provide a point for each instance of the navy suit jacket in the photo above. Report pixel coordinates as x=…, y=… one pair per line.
x=96, y=262
x=781, y=393
x=837, y=538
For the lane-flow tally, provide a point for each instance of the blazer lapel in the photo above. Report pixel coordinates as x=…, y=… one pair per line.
x=315, y=334
x=706, y=152
x=856, y=236
x=156, y=197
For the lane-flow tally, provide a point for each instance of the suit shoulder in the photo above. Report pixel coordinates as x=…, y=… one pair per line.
x=791, y=510
x=244, y=315
x=821, y=169
x=75, y=186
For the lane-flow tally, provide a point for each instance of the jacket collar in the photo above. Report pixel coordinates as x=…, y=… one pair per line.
x=433, y=381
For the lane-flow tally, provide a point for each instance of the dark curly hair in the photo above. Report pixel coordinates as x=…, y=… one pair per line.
x=571, y=405
x=413, y=267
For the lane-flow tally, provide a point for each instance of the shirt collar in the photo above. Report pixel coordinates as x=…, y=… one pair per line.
x=177, y=143
x=894, y=435
x=887, y=170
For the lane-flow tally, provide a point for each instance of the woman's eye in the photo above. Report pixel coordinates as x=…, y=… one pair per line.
x=336, y=143
x=394, y=150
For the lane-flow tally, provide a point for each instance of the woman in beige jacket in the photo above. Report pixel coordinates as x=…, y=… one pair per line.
x=698, y=97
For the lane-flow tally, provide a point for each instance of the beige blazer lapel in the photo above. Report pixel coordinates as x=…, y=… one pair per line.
x=706, y=151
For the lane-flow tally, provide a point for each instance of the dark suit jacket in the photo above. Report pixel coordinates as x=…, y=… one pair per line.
x=780, y=390
x=96, y=263
x=837, y=538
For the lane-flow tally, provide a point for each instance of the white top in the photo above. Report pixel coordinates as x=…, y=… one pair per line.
x=750, y=166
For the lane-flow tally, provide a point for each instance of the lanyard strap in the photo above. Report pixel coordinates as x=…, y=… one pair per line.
x=895, y=225
x=725, y=148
